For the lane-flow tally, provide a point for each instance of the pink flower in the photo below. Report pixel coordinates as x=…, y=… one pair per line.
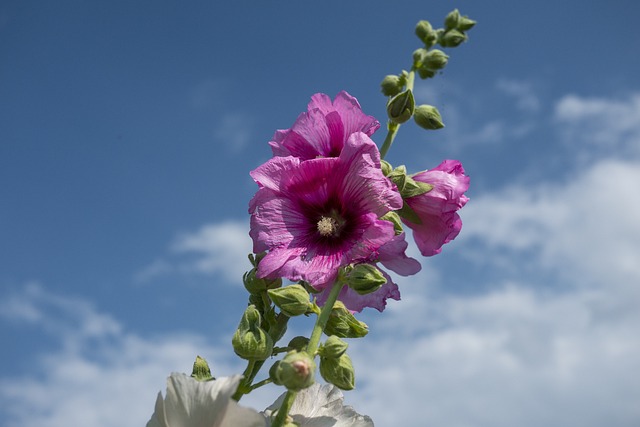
x=317, y=215
x=437, y=208
x=323, y=130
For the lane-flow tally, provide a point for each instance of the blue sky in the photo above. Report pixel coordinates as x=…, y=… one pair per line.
x=127, y=131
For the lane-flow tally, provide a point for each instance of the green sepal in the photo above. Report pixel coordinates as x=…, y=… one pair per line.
x=413, y=188
x=408, y=213
x=394, y=218
x=201, y=370
x=292, y=300
x=465, y=23
x=385, y=167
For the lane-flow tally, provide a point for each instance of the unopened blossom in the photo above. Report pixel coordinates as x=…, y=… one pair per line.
x=323, y=130
x=315, y=216
x=437, y=209
x=193, y=403
x=321, y=406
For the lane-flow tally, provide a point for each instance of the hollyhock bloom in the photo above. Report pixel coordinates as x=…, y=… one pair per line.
x=323, y=130
x=318, y=215
x=192, y=403
x=319, y=406
x=437, y=208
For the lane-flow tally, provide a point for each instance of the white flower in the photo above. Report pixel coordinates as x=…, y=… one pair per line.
x=192, y=403
x=321, y=406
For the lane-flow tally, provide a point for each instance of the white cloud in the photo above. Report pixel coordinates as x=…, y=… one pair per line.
x=219, y=248
x=611, y=124
x=523, y=93
x=101, y=376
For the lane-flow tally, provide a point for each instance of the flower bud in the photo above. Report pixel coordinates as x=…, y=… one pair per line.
x=425, y=32
x=435, y=59
x=400, y=107
x=365, y=279
x=295, y=371
x=201, y=371
x=419, y=56
x=465, y=24
x=292, y=300
x=343, y=324
x=250, y=341
x=426, y=73
x=428, y=117
x=333, y=348
x=452, y=38
x=298, y=343
x=338, y=372
x=391, y=85
x=452, y=19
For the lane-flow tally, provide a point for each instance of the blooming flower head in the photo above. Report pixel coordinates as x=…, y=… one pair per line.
x=318, y=215
x=437, y=209
x=323, y=130
x=322, y=405
x=193, y=403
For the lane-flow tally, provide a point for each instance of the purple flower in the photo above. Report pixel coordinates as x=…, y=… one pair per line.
x=318, y=215
x=437, y=208
x=323, y=130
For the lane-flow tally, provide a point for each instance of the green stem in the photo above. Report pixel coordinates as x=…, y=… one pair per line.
x=312, y=347
x=392, y=128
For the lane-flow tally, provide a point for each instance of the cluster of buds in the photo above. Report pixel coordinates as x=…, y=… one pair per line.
x=427, y=61
x=335, y=365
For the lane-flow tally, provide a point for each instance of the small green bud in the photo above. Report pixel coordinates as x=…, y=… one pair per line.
x=391, y=85
x=250, y=341
x=365, y=279
x=419, y=56
x=343, y=324
x=333, y=348
x=400, y=107
x=201, y=371
x=426, y=73
x=295, y=371
x=394, y=218
x=426, y=33
x=298, y=343
x=338, y=372
x=465, y=24
x=452, y=38
x=452, y=19
x=428, y=117
x=435, y=59
x=273, y=371
x=292, y=300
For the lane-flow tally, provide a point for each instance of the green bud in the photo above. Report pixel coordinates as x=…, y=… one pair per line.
x=295, y=371
x=419, y=56
x=426, y=33
x=394, y=218
x=428, y=117
x=391, y=85
x=426, y=73
x=400, y=107
x=452, y=38
x=365, y=279
x=465, y=24
x=201, y=371
x=250, y=341
x=452, y=19
x=435, y=59
x=343, y=324
x=298, y=343
x=333, y=348
x=338, y=372
x=292, y=300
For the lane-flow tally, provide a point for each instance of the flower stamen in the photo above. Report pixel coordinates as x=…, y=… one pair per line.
x=328, y=226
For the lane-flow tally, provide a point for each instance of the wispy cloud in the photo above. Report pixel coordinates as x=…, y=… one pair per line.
x=233, y=131
x=522, y=92
x=214, y=249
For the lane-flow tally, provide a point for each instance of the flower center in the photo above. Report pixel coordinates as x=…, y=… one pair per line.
x=328, y=226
